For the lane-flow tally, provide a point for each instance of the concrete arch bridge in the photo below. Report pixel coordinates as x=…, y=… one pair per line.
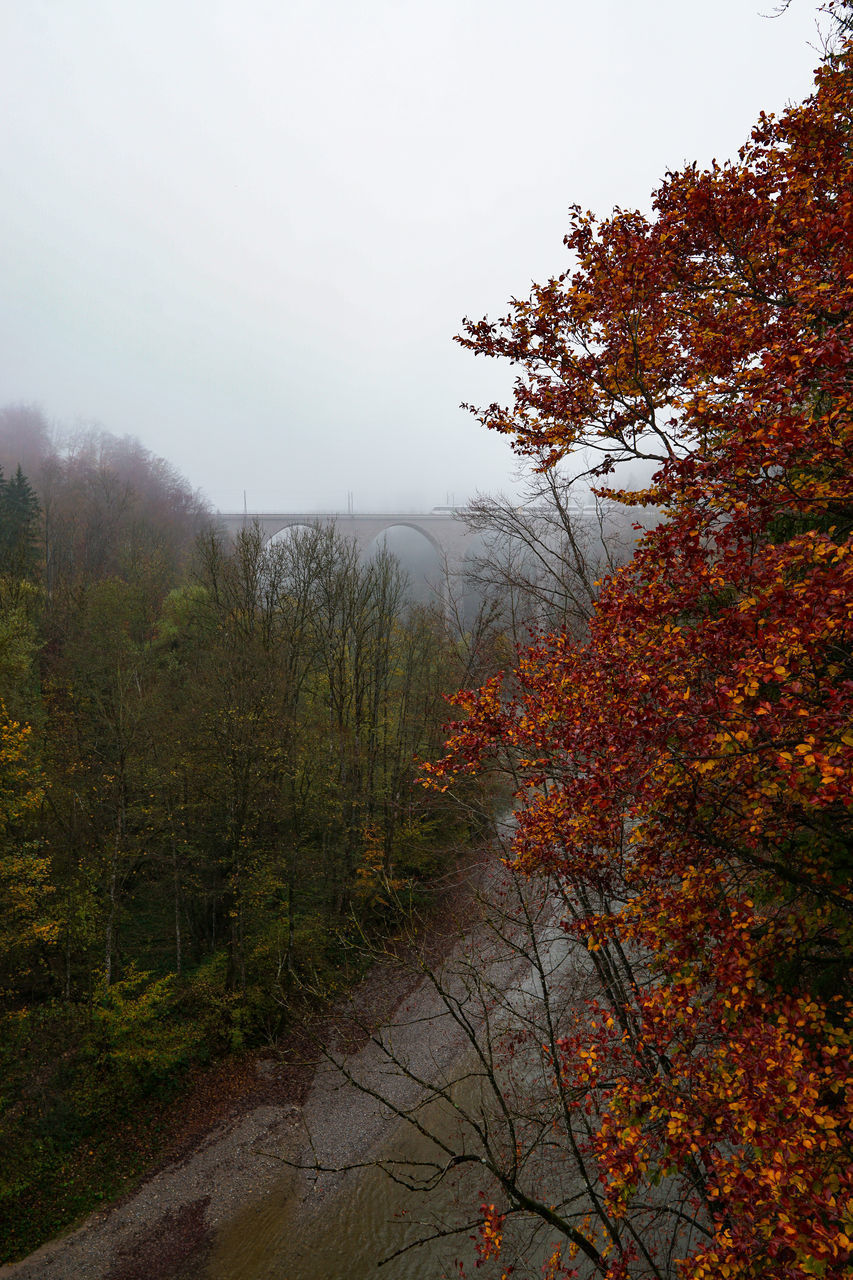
x=424, y=544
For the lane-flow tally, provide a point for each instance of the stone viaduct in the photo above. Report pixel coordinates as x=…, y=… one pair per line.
x=445, y=537
x=442, y=528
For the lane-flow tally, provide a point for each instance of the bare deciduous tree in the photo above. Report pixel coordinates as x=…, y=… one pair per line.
x=542, y=557
x=476, y=1068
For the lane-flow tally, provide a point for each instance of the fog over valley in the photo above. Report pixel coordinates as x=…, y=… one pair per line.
x=246, y=234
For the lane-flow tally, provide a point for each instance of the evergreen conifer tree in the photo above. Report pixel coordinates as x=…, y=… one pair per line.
x=19, y=517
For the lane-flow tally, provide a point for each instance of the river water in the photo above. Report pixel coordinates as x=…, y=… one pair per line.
x=353, y=1234
x=349, y=1233
x=341, y=1226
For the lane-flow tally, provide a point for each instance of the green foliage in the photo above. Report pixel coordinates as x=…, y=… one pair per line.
x=19, y=527
x=83, y=1088
x=134, y=1020
x=62, y=1156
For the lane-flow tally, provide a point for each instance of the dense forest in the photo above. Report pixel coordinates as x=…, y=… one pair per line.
x=208, y=782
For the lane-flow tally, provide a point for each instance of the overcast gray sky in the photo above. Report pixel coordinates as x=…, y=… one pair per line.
x=246, y=231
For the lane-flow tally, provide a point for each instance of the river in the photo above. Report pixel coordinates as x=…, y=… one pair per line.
x=340, y=1226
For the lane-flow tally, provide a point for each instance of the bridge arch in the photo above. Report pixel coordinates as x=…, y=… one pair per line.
x=286, y=532
x=399, y=522
x=420, y=556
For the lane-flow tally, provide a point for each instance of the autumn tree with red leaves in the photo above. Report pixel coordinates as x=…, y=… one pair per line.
x=685, y=773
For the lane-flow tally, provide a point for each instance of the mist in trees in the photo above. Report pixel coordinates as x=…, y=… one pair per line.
x=538, y=558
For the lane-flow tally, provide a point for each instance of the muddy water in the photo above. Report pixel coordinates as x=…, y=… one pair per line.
x=342, y=1227
x=348, y=1233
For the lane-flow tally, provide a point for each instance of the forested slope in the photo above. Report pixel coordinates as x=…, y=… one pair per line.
x=207, y=782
